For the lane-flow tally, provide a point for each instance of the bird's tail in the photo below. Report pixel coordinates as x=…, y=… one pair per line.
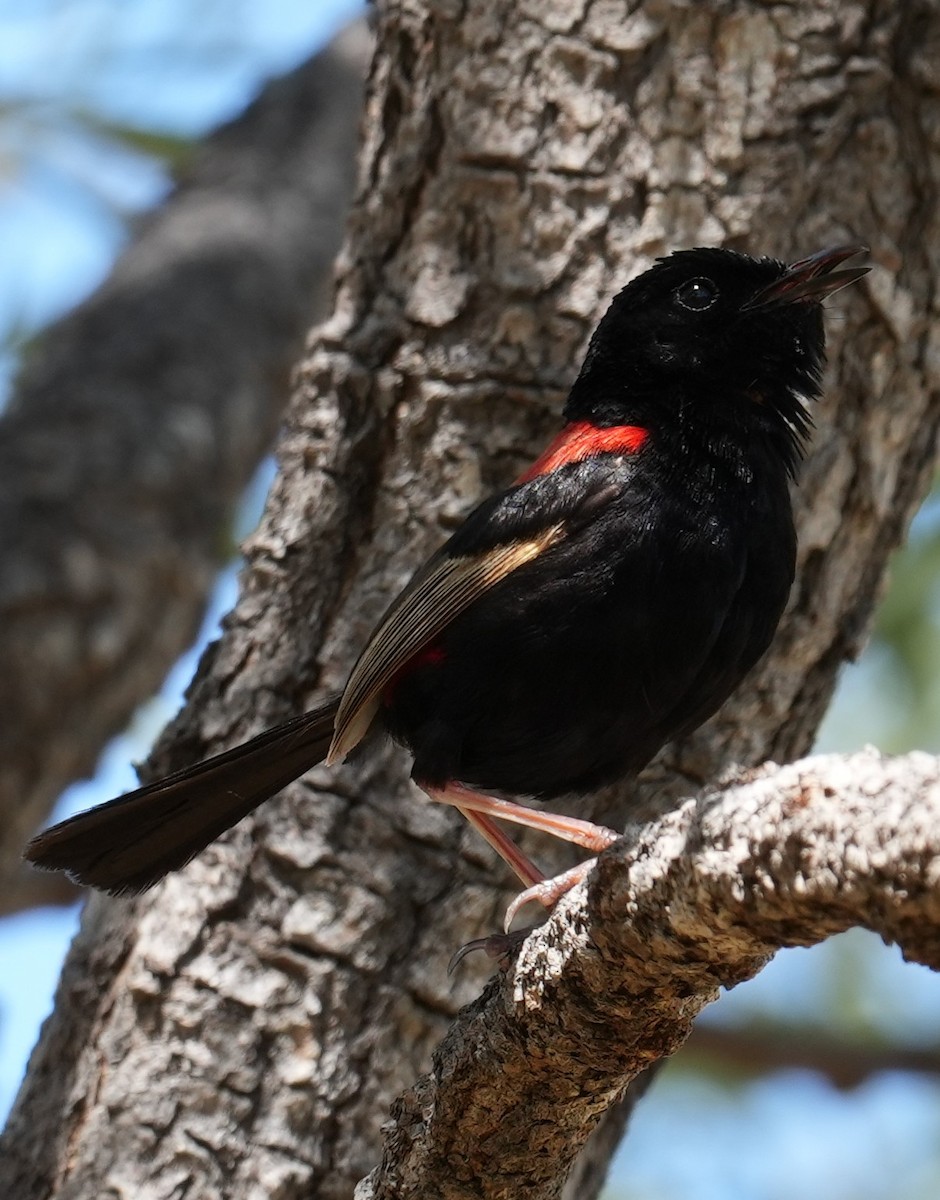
x=129, y=843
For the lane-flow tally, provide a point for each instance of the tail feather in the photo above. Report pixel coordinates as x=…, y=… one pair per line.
x=129, y=843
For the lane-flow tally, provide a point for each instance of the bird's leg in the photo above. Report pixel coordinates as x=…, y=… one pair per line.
x=504, y=846
x=569, y=829
x=480, y=811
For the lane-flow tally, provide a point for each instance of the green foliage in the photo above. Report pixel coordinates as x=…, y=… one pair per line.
x=908, y=627
x=891, y=697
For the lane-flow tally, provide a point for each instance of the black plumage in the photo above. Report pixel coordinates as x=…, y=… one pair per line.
x=606, y=603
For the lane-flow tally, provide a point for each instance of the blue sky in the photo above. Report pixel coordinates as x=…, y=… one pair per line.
x=67, y=69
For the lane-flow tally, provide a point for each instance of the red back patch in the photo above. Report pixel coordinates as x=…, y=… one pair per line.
x=581, y=440
x=427, y=656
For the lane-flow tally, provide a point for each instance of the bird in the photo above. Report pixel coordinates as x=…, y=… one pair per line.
x=605, y=603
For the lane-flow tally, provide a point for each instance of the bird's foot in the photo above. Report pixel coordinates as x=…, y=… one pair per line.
x=502, y=947
x=548, y=891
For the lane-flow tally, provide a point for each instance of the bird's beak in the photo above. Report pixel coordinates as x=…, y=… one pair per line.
x=811, y=279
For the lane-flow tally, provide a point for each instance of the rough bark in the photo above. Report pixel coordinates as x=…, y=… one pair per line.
x=138, y=421
x=697, y=900
x=241, y=1032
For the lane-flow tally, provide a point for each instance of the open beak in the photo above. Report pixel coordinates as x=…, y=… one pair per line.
x=812, y=279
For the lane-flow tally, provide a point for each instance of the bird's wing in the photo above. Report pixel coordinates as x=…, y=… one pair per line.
x=502, y=534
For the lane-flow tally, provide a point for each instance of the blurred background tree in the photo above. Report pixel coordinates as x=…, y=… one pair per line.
x=821, y=1076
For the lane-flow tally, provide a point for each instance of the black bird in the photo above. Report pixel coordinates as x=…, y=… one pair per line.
x=607, y=602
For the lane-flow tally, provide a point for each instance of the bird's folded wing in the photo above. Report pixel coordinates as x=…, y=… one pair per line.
x=500, y=536
x=438, y=594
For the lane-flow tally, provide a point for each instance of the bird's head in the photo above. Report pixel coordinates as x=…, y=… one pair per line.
x=714, y=335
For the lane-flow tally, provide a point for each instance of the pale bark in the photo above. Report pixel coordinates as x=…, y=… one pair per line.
x=139, y=419
x=697, y=900
x=242, y=1032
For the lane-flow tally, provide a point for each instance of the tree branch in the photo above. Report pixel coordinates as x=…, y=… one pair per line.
x=140, y=418
x=697, y=900
x=33, y=890
x=845, y=1062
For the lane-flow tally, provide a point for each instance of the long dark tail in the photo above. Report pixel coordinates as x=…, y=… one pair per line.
x=128, y=844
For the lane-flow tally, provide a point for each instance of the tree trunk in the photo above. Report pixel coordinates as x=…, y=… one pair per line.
x=242, y=1031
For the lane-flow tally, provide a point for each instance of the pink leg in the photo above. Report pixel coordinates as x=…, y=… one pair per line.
x=569, y=829
x=505, y=847
x=480, y=811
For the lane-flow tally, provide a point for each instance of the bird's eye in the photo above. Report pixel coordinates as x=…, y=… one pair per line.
x=697, y=294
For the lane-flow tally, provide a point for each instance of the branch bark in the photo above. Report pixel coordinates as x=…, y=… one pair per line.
x=247, y=1025
x=844, y=1062
x=697, y=900
x=139, y=419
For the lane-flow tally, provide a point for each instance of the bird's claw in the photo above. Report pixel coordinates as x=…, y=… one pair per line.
x=500, y=947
